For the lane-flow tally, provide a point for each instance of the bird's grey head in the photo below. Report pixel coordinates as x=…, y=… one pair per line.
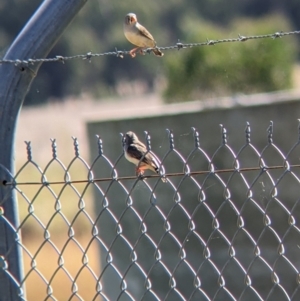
x=130, y=19
x=130, y=137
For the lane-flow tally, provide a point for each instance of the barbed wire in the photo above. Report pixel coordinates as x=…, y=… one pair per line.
x=119, y=53
x=176, y=174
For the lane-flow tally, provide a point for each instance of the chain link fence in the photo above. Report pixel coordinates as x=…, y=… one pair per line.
x=225, y=225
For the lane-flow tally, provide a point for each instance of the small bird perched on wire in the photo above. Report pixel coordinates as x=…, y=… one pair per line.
x=136, y=152
x=138, y=35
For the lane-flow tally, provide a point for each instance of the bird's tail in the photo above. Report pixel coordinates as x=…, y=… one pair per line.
x=157, y=52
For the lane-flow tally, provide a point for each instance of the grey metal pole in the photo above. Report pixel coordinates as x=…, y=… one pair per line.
x=35, y=41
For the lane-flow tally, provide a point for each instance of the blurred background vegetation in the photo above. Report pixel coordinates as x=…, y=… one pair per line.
x=225, y=69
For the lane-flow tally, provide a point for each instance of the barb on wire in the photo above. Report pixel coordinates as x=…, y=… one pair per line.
x=120, y=54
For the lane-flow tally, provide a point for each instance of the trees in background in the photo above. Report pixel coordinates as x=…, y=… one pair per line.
x=219, y=69
x=246, y=67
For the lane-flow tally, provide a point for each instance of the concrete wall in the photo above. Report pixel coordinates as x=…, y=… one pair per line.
x=152, y=210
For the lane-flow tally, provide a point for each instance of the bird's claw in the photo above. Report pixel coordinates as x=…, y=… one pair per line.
x=132, y=53
x=139, y=172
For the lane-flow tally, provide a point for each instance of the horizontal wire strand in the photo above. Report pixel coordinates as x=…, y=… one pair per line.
x=176, y=174
x=178, y=46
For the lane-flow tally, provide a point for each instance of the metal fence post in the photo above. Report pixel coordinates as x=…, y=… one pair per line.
x=35, y=41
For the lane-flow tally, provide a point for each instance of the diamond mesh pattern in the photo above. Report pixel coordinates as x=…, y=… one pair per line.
x=225, y=226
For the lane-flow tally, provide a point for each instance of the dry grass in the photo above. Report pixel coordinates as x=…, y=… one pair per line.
x=54, y=211
x=51, y=267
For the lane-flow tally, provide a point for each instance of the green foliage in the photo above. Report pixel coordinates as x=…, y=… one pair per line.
x=247, y=67
x=98, y=28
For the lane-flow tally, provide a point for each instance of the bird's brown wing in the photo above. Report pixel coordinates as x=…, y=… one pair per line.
x=144, y=32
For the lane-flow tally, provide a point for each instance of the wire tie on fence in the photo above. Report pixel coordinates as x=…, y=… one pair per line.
x=1, y=211
x=60, y=58
x=141, y=177
x=211, y=168
x=242, y=38
x=264, y=168
x=187, y=173
x=286, y=165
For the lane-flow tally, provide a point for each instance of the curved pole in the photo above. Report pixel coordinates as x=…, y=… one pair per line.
x=34, y=41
